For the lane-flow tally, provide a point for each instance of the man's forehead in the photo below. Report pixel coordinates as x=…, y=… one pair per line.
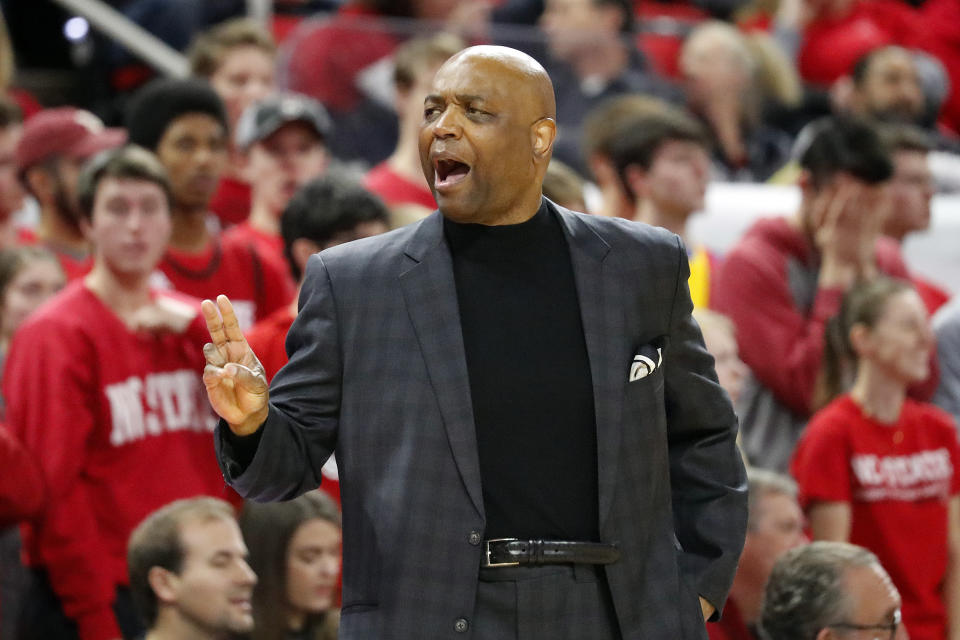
x=870, y=585
x=894, y=60
x=512, y=78
x=475, y=76
x=208, y=536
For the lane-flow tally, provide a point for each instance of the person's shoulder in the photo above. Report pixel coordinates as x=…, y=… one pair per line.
x=930, y=416
x=615, y=230
x=376, y=249
x=833, y=419
x=70, y=307
x=66, y=321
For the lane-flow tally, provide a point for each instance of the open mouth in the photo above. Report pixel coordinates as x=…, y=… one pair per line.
x=449, y=172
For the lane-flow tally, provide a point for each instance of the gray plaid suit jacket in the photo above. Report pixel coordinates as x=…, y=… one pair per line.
x=377, y=371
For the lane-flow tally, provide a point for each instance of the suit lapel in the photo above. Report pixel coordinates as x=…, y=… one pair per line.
x=430, y=294
x=601, y=310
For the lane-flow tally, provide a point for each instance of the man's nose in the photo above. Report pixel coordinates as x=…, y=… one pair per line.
x=245, y=574
x=447, y=124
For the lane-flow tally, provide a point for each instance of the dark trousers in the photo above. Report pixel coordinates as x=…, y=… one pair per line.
x=42, y=617
x=560, y=602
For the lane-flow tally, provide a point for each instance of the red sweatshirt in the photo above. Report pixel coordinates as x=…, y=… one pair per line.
x=767, y=285
x=21, y=486
x=120, y=425
x=256, y=283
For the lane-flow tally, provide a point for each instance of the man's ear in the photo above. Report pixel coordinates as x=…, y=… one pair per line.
x=544, y=132
x=39, y=183
x=164, y=584
x=635, y=181
x=860, y=338
x=301, y=250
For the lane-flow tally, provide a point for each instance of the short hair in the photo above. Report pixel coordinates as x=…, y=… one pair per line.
x=604, y=123
x=862, y=66
x=561, y=183
x=267, y=529
x=638, y=143
x=906, y=137
x=417, y=54
x=761, y=483
x=156, y=542
x=324, y=207
x=130, y=162
x=848, y=144
x=208, y=50
x=805, y=592
x=10, y=113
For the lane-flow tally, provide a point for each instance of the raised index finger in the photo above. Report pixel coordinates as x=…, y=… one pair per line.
x=230, y=324
x=214, y=323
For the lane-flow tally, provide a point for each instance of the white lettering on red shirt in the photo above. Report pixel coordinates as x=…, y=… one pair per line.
x=922, y=475
x=160, y=403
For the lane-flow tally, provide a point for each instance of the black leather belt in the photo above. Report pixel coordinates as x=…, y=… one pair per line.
x=511, y=552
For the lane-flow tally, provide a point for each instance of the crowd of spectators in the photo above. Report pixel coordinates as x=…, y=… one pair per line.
x=843, y=362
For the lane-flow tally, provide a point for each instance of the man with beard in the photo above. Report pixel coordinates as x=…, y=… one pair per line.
x=54, y=145
x=885, y=85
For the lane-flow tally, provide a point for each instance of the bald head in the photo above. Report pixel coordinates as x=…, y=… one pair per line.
x=514, y=66
x=487, y=135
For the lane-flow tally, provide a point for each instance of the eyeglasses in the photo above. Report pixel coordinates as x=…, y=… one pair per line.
x=890, y=627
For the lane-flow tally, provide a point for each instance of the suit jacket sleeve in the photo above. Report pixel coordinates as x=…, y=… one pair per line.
x=707, y=476
x=300, y=432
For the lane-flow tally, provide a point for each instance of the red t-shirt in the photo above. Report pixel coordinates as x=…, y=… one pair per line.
x=256, y=283
x=396, y=189
x=268, y=338
x=231, y=201
x=898, y=479
x=245, y=234
x=120, y=425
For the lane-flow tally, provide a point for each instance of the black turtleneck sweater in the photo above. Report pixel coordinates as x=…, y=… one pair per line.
x=530, y=379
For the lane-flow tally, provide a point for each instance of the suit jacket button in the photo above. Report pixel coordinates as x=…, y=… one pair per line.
x=475, y=538
x=461, y=625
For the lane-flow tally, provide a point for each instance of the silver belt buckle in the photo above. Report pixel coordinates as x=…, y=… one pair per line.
x=499, y=564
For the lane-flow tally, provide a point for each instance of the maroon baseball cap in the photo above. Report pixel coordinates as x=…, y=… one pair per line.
x=64, y=131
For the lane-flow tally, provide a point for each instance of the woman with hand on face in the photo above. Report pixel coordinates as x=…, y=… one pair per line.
x=879, y=469
x=295, y=552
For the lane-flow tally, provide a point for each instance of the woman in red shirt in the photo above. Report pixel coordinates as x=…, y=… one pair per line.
x=877, y=468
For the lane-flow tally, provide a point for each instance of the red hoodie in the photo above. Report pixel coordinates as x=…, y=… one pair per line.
x=767, y=285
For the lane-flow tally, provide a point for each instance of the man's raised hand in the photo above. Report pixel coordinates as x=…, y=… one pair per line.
x=235, y=380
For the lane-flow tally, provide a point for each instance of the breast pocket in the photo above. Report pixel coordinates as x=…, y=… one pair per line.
x=646, y=366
